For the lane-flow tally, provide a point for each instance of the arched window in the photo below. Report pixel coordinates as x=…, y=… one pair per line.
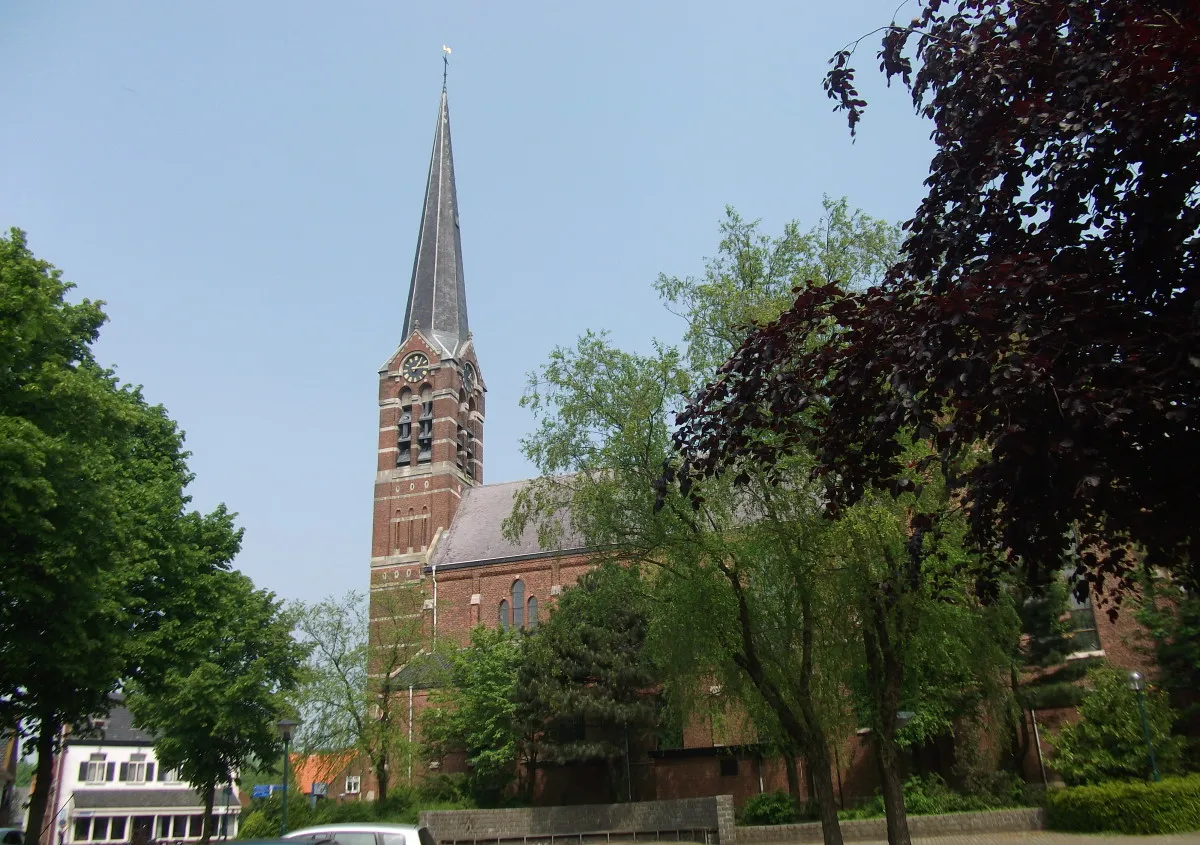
x=504, y=614
x=532, y=613
x=518, y=597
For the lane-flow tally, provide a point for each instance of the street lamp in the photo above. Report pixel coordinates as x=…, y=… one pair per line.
x=285, y=726
x=1137, y=683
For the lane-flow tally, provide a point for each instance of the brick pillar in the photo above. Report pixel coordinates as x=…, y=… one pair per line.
x=726, y=831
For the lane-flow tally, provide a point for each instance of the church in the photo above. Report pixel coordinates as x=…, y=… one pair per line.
x=438, y=525
x=435, y=521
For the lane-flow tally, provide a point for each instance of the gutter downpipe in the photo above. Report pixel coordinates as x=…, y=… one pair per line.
x=410, y=718
x=1037, y=738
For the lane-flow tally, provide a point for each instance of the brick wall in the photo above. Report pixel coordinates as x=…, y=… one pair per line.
x=696, y=815
x=459, y=611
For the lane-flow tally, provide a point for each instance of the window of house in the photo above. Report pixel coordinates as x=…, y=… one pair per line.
x=96, y=769
x=518, y=598
x=532, y=613
x=117, y=830
x=83, y=829
x=195, y=826
x=1083, y=625
x=100, y=828
x=504, y=623
x=164, y=827
x=137, y=770
x=729, y=766
x=353, y=784
x=180, y=826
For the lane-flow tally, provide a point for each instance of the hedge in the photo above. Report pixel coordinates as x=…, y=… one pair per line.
x=1169, y=806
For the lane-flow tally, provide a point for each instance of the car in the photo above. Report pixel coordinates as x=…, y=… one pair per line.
x=365, y=833
x=11, y=836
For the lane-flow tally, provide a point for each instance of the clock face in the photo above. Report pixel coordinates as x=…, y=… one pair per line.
x=468, y=374
x=415, y=367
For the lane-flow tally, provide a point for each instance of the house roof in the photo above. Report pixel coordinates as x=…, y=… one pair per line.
x=116, y=728
x=474, y=536
x=105, y=799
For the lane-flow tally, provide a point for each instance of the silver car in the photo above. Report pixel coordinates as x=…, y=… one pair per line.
x=365, y=833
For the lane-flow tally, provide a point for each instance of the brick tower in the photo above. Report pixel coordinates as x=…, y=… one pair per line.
x=431, y=407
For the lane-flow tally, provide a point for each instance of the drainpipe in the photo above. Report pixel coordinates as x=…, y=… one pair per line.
x=1037, y=738
x=410, y=718
x=434, y=570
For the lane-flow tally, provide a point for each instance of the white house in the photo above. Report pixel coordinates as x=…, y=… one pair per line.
x=109, y=788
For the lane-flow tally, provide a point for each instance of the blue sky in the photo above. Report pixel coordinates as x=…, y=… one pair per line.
x=241, y=183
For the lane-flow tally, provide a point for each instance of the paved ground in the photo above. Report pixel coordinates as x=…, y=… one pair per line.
x=1047, y=838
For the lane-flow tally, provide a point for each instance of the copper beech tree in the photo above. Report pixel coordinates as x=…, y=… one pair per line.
x=1041, y=329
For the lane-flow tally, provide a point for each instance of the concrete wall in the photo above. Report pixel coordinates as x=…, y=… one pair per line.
x=697, y=816
x=995, y=821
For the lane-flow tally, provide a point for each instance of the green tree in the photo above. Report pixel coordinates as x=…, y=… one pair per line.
x=1108, y=743
x=587, y=676
x=226, y=672
x=351, y=694
x=91, y=490
x=786, y=596
x=477, y=713
x=752, y=277
x=1172, y=618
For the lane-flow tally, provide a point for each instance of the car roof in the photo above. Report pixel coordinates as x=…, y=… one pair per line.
x=354, y=827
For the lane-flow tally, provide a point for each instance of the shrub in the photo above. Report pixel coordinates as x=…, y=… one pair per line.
x=929, y=795
x=1108, y=742
x=403, y=806
x=769, y=808
x=1169, y=806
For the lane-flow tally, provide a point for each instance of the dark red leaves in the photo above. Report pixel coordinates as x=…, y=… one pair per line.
x=1042, y=330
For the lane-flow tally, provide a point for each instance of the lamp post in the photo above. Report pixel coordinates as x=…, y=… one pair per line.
x=285, y=726
x=1137, y=682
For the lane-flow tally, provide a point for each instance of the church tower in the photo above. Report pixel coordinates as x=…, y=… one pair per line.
x=431, y=407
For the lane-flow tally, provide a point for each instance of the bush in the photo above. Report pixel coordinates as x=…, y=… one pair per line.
x=403, y=806
x=1170, y=806
x=769, y=808
x=1108, y=742
x=930, y=796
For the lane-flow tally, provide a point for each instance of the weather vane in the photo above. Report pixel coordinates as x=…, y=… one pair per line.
x=446, y=64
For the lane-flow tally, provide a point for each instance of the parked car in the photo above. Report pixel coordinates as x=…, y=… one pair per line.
x=11, y=836
x=365, y=833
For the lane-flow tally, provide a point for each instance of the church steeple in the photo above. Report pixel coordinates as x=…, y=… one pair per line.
x=437, y=295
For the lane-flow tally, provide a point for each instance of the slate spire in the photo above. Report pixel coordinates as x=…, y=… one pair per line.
x=437, y=295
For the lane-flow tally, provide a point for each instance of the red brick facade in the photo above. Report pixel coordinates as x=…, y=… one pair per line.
x=417, y=494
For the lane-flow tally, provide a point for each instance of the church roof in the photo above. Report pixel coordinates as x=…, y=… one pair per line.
x=474, y=537
x=437, y=296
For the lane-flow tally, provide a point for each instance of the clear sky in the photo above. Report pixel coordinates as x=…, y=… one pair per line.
x=241, y=182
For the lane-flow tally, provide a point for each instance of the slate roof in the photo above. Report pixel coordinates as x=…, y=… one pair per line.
x=118, y=730
x=437, y=295
x=425, y=671
x=104, y=799
x=474, y=537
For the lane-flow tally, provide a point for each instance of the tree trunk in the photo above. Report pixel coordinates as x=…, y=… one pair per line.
x=210, y=792
x=893, y=790
x=381, y=780
x=48, y=728
x=793, y=779
x=817, y=763
x=885, y=672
